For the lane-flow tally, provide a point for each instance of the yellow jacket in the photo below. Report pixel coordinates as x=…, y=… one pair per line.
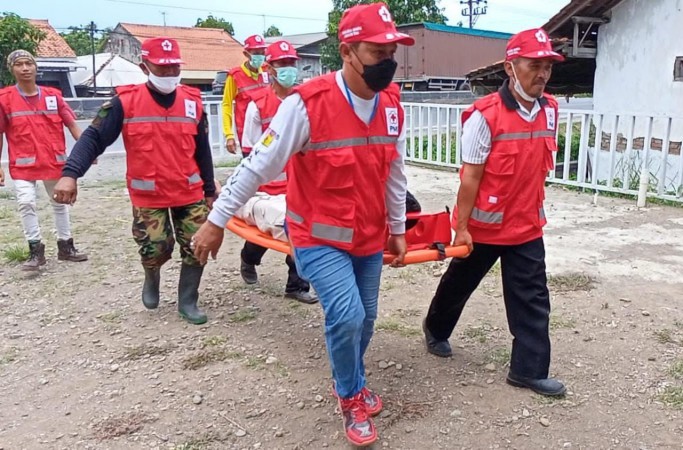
x=229, y=94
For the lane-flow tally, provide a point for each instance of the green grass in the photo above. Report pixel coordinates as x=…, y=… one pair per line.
x=111, y=317
x=6, y=212
x=558, y=322
x=571, y=282
x=676, y=370
x=665, y=336
x=206, y=357
x=478, y=333
x=6, y=195
x=9, y=356
x=672, y=396
x=145, y=350
x=16, y=253
x=499, y=356
x=244, y=315
x=214, y=341
x=394, y=326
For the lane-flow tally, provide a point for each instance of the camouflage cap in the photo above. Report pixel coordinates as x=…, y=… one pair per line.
x=16, y=55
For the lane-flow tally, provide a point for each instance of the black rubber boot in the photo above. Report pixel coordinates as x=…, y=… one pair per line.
x=150, y=288
x=188, y=294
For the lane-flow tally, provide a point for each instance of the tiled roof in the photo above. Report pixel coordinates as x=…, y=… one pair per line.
x=53, y=46
x=208, y=49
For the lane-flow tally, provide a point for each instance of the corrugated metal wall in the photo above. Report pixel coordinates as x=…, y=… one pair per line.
x=443, y=54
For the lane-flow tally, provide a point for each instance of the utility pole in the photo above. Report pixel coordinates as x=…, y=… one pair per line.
x=473, y=9
x=163, y=13
x=92, y=48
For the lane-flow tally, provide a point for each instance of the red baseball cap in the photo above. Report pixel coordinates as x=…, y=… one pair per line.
x=255, y=42
x=371, y=23
x=534, y=44
x=280, y=50
x=162, y=51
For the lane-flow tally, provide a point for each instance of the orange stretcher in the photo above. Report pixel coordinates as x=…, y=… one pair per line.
x=417, y=252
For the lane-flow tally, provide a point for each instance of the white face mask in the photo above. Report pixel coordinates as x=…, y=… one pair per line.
x=519, y=89
x=165, y=85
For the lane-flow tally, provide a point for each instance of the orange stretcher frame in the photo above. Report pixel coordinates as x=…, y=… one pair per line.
x=256, y=236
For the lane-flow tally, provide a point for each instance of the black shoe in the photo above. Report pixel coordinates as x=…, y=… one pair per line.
x=248, y=272
x=302, y=296
x=546, y=386
x=150, y=288
x=435, y=347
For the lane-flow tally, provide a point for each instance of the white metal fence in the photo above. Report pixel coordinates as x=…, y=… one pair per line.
x=619, y=153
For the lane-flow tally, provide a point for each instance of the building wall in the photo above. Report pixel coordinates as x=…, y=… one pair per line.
x=122, y=43
x=636, y=55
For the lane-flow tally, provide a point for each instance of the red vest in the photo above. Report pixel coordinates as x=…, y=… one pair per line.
x=35, y=136
x=246, y=87
x=336, y=189
x=160, y=147
x=267, y=102
x=509, y=205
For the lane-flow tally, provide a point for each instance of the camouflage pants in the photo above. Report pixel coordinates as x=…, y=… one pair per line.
x=153, y=231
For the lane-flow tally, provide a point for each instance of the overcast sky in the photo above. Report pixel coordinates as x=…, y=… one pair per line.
x=290, y=16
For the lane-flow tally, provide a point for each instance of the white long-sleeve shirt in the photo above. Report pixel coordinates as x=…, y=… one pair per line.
x=289, y=132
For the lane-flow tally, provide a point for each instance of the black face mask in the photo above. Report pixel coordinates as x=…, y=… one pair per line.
x=378, y=76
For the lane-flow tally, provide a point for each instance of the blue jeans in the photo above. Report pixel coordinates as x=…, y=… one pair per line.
x=348, y=288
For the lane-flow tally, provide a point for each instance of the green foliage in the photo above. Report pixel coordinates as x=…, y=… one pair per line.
x=15, y=33
x=215, y=22
x=403, y=11
x=440, y=152
x=273, y=31
x=78, y=39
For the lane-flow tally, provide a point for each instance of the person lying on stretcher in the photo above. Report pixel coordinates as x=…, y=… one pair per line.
x=267, y=213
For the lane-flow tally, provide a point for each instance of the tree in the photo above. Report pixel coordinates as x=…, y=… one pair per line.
x=273, y=31
x=216, y=22
x=403, y=11
x=16, y=33
x=78, y=39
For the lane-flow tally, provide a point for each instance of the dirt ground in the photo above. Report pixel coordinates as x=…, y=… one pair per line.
x=84, y=366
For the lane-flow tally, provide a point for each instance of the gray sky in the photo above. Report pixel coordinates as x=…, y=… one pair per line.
x=290, y=16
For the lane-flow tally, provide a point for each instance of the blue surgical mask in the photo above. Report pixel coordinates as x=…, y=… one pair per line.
x=286, y=76
x=257, y=61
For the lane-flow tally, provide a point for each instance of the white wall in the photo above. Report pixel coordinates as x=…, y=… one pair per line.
x=635, y=61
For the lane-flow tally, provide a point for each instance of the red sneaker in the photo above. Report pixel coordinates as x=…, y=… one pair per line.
x=373, y=402
x=360, y=430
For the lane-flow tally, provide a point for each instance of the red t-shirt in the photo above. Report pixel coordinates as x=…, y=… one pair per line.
x=65, y=111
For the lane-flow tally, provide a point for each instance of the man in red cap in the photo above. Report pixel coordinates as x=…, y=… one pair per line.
x=169, y=168
x=508, y=141
x=270, y=205
x=33, y=119
x=343, y=136
x=241, y=82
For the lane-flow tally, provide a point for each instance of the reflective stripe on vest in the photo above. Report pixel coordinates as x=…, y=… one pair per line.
x=523, y=135
x=25, y=161
x=156, y=119
x=31, y=113
x=251, y=87
x=332, y=233
x=351, y=142
x=486, y=216
x=142, y=185
x=496, y=217
x=61, y=158
x=295, y=217
x=194, y=178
